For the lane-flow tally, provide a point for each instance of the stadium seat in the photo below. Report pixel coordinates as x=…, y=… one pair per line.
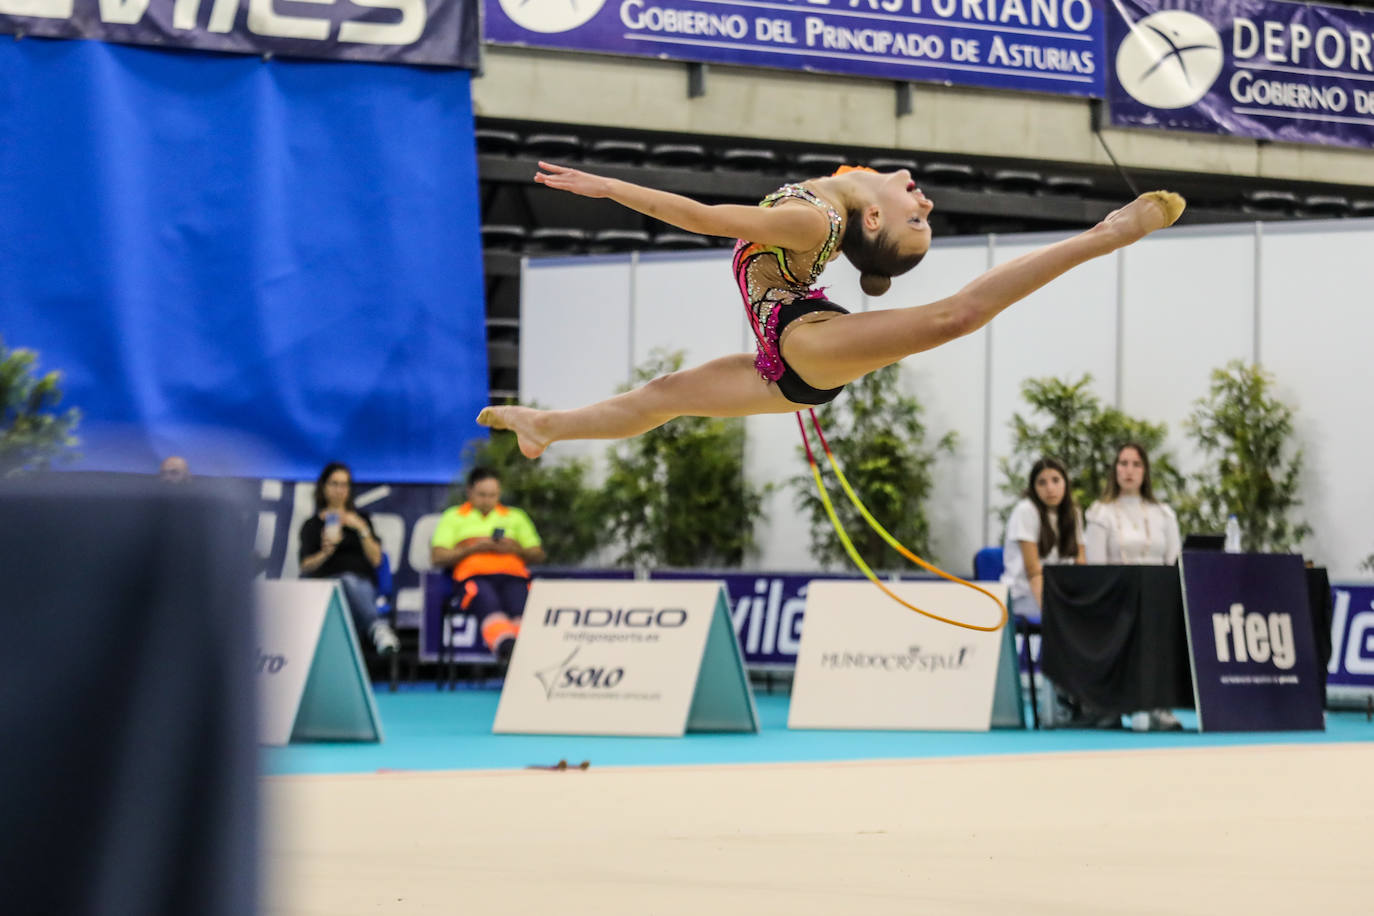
x=680, y=241
x=1362, y=208
x=1271, y=203
x=1016, y=181
x=497, y=142
x=950, y=174
x=748, y=160
x=501, y=237
x=620, y=152
x=890, y=164
x=678, y=155
x=619, y=240
x=1077, y=185
x=817, y=163
x=553, y=146
x=386, y=610
x=558, y=239
x=1326, y=205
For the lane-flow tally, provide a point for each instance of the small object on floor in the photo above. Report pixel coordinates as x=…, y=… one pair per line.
x=560, y=766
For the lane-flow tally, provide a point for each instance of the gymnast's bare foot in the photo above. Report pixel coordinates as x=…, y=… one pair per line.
x=1150, y=211
x=523, y=421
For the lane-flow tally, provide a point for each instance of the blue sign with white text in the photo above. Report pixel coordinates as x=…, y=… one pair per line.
x=1053, y=46
x=1251, y=640
x=1351, y=670
x=1292, y=72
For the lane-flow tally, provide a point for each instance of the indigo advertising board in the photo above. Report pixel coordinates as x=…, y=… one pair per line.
x=1292, y=72
x=1251, y=641
x=1053, y=46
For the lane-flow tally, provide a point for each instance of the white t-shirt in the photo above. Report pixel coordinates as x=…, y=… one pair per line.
x=1128, y=531
x=1024, y=525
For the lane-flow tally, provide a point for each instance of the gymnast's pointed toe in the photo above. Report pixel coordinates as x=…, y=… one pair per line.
x=1172, y=204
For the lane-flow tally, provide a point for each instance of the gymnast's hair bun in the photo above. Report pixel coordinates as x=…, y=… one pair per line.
x=874, y=284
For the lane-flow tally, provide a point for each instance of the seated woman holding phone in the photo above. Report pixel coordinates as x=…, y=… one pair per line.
x=488, y=546
x=338, y=542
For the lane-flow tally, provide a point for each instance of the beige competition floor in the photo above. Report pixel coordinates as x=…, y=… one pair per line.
x=1267, y=829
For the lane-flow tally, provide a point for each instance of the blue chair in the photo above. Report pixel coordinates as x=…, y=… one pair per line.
x=988, y=567
x=987, y=564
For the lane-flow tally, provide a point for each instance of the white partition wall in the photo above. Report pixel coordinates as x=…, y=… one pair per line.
x=1064, y=329
x=1316, y=335
x=1149, y=323
x=1188, y=307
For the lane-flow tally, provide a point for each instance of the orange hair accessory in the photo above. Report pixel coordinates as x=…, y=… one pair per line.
x=854, y=168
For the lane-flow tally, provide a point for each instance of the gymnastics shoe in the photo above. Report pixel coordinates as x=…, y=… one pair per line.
x=1172, y=203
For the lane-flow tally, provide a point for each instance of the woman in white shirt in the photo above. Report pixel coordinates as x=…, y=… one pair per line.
x=1129, y=527
x=1044, y=529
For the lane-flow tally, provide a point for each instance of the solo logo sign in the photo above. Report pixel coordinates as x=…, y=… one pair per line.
x=567, y=676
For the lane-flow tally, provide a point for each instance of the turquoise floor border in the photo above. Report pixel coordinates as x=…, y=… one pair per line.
x=429, y=730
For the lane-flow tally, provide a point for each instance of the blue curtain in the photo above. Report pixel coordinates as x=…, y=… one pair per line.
x=260, y=265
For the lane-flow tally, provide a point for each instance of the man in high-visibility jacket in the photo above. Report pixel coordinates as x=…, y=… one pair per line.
x=488, y=546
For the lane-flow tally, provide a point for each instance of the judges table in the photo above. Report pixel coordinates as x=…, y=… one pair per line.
x=1115, y=636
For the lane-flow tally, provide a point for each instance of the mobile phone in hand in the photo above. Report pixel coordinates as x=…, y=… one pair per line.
x=498, y=533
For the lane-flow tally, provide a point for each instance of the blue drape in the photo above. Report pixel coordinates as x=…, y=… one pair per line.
x=261, y=265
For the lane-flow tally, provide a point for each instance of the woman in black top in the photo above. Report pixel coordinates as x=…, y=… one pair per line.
x=338, y=542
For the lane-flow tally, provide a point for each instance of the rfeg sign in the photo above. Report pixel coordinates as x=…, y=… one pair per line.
x=1251, y=642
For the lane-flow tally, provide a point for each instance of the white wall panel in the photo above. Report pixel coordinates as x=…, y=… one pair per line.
x=1062, y=330
x=686, y=302
x=1189, y=308
x=574, y=335
x=1316, y=336
x=950, y=384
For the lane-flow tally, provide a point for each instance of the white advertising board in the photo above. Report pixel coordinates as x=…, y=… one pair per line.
x=600, y=657
x=312, y=683
x=866, y=662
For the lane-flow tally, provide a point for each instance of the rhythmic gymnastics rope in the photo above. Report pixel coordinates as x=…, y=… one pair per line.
x=882, y=532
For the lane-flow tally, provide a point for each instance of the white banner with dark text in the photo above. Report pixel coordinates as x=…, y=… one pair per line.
x=866, y=662
x=599, y=657
x=441, y=33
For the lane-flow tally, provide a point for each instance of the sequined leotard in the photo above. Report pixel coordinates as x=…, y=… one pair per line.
x=777, y=287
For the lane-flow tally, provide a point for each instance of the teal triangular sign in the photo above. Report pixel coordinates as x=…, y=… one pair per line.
x=337, y=704
x=723, y=700
x=1007, y=708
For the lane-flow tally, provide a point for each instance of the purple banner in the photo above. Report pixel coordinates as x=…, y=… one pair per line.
x=1350, y=674
x=442, y=33
x=1290, y=72
x=1251, y=640
x=1051, y=46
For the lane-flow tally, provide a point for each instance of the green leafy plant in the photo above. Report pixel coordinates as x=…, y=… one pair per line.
x=556, y=494
x=677, y=495
x=1067, y=421
x=879, y=442
x=1252, y=468
x=33, y=433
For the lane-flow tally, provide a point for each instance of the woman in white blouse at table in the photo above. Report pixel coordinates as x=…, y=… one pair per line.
x=1129, y=527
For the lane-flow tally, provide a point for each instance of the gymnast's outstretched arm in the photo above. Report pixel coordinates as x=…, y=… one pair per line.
x=796, y=228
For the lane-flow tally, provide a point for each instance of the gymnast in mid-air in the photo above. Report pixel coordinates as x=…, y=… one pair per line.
x=809, y=348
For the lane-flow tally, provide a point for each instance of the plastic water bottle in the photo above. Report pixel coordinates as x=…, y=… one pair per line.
x=1232, y=535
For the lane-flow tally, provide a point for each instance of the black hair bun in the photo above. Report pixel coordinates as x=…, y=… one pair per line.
x=874, y=284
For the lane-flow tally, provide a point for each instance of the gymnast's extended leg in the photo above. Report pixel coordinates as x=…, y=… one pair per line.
x=725, y=387
x=827, y=354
